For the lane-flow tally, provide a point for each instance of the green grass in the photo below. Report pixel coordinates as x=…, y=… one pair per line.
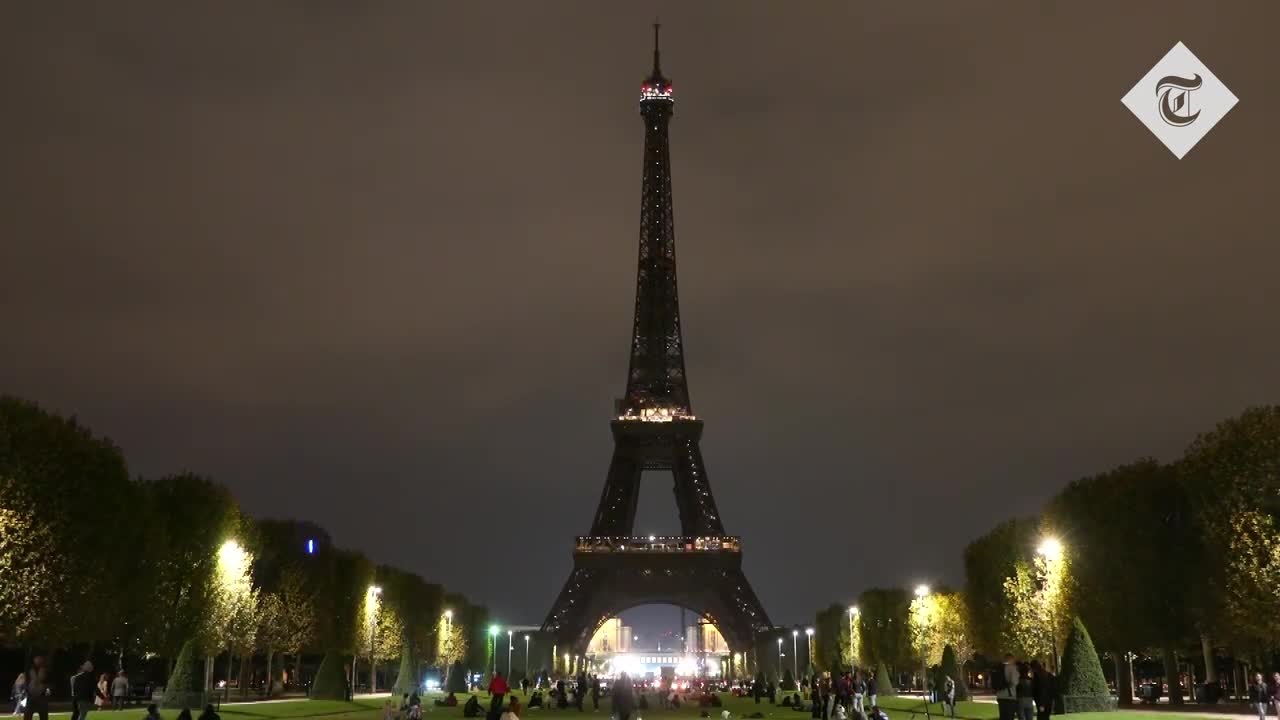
x=899, y=708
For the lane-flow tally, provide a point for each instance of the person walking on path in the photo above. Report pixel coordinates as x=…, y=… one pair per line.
x=38, y=690
x=498, y=689
x=624, y=701
x=1025, y=695
x=1259, y=696
x=83, y=692
x=102, y=693
x=19, y=693
x=873, y=686
x=119, y=690
x=949, y=696
x=580, y=690
x=1275, y=693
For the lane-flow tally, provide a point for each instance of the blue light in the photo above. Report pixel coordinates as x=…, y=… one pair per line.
x=311, y=547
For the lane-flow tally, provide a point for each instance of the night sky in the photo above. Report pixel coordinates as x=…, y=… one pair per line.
x=373, y=264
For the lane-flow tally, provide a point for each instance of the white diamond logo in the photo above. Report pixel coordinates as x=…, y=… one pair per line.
x=1180, y=100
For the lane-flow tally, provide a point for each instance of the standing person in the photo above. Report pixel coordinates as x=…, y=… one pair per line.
x=1275, y=693
x=1044, y=688
x=1025, y=695
x=595, y=693
x=1259, y=696
x=498, y=689
x=102, y=693
x=624, y=702
x=524, y=685
x=119, y=690
x=83, y=692
x=859, y=690
x=873, y=685
x=38, y=690
x=1005, y=682
x=580, y=690
x=19, y=693
x=949, y=696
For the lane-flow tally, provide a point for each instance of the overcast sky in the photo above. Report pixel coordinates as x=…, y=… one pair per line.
x=372, y=263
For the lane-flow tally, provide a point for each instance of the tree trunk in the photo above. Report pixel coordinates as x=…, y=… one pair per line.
x=1124, y=680
x=1172, y=676
x=270, y=684
x=1210, y=669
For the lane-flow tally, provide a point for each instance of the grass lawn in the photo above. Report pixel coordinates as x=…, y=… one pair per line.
x=898, y=708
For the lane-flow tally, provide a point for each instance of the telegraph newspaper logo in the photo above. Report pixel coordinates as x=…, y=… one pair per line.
x=1175, y=99
x=1180, y=100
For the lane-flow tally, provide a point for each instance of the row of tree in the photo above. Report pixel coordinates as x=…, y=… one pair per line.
x=94, y=562
x=1178, y=561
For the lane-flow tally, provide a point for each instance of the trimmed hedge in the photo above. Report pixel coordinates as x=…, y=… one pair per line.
x=1083, y=686
x=330, y=682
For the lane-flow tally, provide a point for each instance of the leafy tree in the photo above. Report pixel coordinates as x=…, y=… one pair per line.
x=951, y=668
x=296, y=614
x=271, y=631
x=988, y=560
x=330, y=682
x=1232, y=475
x=45, y=459
x=1083, y=686
x=951, y=624
x=884, y=626
x=884, y=685
x=185, y=688
x=831, y=632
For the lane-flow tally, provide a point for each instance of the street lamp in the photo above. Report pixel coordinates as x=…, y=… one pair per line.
x=526, y=657
x=779, y=655
x=809, y=632
x=508, y=653
x=853, y=649
x=374, y=592
x=922, y=592
x=795, y=660
x=1051, y=550
x=493, y=638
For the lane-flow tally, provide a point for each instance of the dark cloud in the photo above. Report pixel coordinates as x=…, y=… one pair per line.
x=367, y=263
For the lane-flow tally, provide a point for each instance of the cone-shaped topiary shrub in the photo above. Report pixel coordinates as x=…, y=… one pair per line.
x=185, y=688
x=788, y=681
x=457, y=678
x=884, y=686
x=330, y=682
x=1083, y=686
x=407, y=681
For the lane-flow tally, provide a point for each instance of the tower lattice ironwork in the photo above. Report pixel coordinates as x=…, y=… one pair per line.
x=654, y=429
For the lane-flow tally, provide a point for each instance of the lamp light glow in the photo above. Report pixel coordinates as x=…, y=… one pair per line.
x=922, y=590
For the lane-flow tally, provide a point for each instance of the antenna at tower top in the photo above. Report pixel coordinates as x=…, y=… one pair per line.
x=657, y=68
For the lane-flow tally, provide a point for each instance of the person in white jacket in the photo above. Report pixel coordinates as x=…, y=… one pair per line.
x=1006, y=692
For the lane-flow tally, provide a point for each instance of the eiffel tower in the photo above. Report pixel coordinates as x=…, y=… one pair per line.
x=654, y=429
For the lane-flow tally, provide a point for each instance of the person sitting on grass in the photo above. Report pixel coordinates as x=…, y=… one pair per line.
x=209, y=713
x=152, y=712
x=536, y=700
x=388, y=712
x=185, y=714
x=513, y=708
x=472, y=708
x=877, y=714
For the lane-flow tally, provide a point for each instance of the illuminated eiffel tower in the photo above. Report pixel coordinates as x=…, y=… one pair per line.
x=654, y=429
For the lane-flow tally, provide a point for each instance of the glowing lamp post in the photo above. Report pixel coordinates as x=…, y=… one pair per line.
x=508, y=653
x=922, y=592
x=853, y=647
x=493, y=640
x=526, y=657
x=795, y=656
x=371, y=607
x=1051, y=550
x=809, y=633
x=779, y=655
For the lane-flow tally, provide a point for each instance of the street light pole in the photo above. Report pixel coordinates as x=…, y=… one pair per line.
x=809, y=657
x=374, y=592
x=922, y=592
x=779, y=656
x=795, y=660
x=508, y=653
x=1051, y=550
x=526, y=657
x=853, y=651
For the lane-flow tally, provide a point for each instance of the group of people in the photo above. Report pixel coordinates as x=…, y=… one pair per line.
x=1262, y=697
x=852, y=695
x=1024, y=691
x=32, y=690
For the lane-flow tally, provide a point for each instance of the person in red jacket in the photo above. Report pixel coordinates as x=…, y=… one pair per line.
x=497, y=689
